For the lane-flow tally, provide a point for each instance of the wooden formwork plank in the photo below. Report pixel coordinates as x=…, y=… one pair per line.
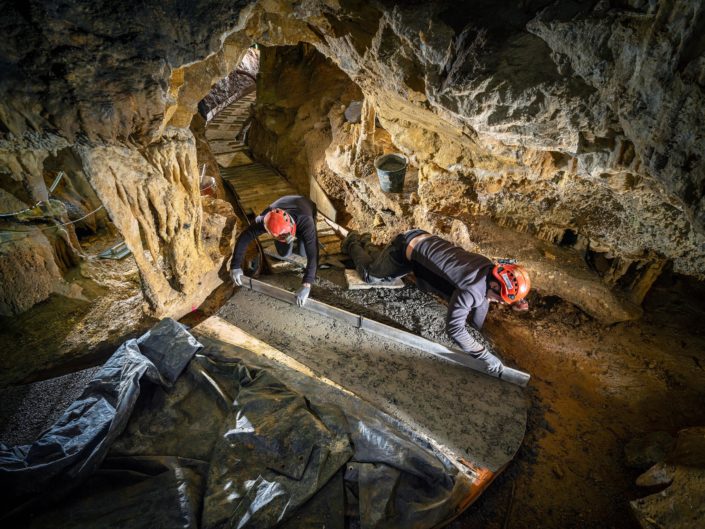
x=355, y=282
x=222, y=132
x=260, y=182
x=263, y=188
x=256, y=180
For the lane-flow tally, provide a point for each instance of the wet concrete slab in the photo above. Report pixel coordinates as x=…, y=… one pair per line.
x=473, y=417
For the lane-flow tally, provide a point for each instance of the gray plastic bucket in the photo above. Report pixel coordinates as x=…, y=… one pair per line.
x=391, y=169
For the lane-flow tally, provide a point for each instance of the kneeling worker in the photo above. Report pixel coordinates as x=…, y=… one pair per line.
x=286, y=219
x=468, y=281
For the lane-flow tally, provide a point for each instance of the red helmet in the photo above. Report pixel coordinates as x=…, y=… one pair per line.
x=513, y=281
x=280, y=225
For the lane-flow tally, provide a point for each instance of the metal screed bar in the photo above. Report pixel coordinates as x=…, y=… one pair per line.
x=513, y=376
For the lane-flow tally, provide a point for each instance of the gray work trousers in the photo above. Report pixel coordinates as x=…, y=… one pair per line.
x=375, y=265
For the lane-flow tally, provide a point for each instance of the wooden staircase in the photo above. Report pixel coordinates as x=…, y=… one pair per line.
x=256, y=185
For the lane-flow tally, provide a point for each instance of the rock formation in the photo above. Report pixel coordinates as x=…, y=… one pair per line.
x=238, y=83
x=681, y=504
x=577, y=124
x=115, y=87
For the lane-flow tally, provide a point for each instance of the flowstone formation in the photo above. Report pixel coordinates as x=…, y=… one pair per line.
x=576, y=124
x=110, y=89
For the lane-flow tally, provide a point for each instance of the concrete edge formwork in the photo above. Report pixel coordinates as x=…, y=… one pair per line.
x=513, y=376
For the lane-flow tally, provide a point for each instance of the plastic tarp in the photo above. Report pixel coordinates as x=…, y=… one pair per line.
x=163, y=438
x=77, y=443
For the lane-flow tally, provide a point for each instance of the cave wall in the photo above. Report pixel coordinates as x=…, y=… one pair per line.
x=502, y=124
x=506, y=116
x=544, y=117
x=238, y=83
x=299, y=92
x=114, y=85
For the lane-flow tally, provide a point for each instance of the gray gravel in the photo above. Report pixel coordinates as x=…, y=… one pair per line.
x=27, y=410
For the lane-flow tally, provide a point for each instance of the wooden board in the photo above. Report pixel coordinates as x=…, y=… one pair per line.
x=355, y=282
x=322, y=201
x=223, y=133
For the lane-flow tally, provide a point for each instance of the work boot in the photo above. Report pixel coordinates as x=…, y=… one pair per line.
x=352, y=237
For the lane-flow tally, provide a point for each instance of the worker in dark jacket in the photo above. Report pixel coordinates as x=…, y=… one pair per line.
x=287, y=219
x=468, y=281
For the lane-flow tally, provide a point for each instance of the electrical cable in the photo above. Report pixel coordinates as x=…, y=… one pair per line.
x=51, y=189
x=55, y=226
x=15, y=213
x=56, y=181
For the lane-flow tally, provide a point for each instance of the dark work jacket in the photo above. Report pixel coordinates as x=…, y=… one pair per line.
x=303, y=211
x=458, y=276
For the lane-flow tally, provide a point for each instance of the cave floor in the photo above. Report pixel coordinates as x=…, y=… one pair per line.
x=63, y=334
x=594, y=388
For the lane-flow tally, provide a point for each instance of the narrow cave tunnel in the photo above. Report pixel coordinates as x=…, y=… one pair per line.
x=171, y=358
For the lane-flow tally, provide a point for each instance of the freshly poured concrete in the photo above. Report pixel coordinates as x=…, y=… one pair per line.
x=474, y=417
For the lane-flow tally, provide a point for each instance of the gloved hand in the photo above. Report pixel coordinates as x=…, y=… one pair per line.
x=236, y=274
x=494, y=364
x=302, y=295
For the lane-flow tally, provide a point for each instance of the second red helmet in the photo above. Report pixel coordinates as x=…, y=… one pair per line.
x=513, y=280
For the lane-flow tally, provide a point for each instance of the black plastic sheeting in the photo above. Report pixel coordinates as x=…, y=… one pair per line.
x=163, y=438
x=77, y=443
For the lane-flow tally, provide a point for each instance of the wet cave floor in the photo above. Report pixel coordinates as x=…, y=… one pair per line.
x=593, y=388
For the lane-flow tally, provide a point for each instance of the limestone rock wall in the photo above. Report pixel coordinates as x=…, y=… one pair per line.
x=553, y=119
x=506, y=115
x=241, y=81
x=106, y=92
x=646, y=61
x=501, y=124
x=28, y=272
x=297, y=90
x=154, y=201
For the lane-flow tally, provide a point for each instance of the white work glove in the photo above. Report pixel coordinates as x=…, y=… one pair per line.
x=302, y=295
x=494, y=364
x=236, y=274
